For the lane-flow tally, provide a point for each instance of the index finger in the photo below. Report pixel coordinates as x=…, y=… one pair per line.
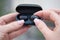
x=49, y=15
x=8, y=18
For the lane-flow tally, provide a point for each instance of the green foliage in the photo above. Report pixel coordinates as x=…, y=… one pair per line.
x=1, y=6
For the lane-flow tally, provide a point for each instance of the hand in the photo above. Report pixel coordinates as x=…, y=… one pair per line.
x=51, y=15
x=9, y=28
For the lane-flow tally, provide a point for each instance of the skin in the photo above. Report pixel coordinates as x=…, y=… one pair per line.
x=50, y=15
x=9, y=28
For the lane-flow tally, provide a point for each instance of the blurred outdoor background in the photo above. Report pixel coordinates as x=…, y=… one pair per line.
x=8, y=6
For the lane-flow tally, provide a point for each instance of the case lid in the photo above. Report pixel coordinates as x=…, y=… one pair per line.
x=28, y=8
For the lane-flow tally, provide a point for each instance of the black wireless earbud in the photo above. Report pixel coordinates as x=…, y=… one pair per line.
x=23, y=18
x=33, y=17
x=26, y=13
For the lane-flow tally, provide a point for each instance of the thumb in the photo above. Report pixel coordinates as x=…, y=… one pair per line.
x=42, y=26
x=13, y=26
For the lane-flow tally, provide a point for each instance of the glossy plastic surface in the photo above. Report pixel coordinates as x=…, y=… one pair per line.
x=26, y=13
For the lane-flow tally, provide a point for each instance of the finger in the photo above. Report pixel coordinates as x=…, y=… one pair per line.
x=12, y=26
x=8, y=18
x=56, y=10
x=17, y=33
x=56, y=29
x=49, y=15
x=42, y=27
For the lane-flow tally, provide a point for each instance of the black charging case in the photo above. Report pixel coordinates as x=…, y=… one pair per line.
x=26, y=11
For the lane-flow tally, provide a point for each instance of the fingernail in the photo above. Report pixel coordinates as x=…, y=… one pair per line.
x=21, y=21
x=36, y=20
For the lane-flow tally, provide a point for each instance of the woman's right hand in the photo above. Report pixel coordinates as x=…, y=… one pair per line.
x=52, y=15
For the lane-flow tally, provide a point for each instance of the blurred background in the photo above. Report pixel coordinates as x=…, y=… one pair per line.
x=8, y=6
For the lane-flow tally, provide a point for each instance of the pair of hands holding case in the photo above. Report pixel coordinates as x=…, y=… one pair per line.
x=10, y=28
